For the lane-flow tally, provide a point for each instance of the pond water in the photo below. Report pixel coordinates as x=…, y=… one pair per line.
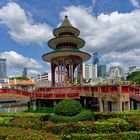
x=13, y=107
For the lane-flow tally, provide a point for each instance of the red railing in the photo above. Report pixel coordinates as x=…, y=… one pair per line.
x=134, y=91
x=71, y=92
x=124, y=89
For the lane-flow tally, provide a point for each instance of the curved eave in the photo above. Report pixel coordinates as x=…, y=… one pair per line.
x=49, y=56
x=59, y=30
x=55, y=41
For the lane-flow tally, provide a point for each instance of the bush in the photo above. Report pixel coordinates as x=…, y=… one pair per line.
x=5, y=120
x=122, y=114
x=11, y=133
x=85, y=115
x=111, y=125
x=68, y=107
x=108, y=136
x=134, y=121
x=24, y=122
x=23, y=115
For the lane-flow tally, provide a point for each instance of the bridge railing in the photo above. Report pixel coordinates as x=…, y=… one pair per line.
x=135, y=91
x=71, y=92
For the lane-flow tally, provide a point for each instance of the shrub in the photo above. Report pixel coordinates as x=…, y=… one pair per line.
x=68, y=107
x=112, y=125
x=23, y=115
x=108, y=136
x=67, y=128
x=11, y=133
x=122, y=114
x=24, y=122
x=134, y=121
x=5, y=120
x=82, y=116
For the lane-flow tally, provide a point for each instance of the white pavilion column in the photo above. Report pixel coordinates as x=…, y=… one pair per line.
x=81, y=73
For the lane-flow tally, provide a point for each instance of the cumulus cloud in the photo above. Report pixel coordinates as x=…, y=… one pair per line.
x=16, y=62
x=126, y=58
x=135, y=3
x=21, y=27
x=108, y=34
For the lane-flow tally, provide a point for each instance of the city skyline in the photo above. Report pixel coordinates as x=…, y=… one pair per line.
x=110, y=28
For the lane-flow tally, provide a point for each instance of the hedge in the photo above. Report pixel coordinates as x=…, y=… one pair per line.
x=22, y=114
x=11, y=133
x=111, y=125
x=114, y=125
x=122, y=114
x=131, y=135
x=82, y=116
x=68, y=107
x=5, y=121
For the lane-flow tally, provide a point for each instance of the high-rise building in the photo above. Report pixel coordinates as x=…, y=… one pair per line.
x=132, y=69
x=44, y=76
x=101, y=70
x=3, y=68
x=95, y=59
x=24, y=72
x=116, y=72
x=89, y=71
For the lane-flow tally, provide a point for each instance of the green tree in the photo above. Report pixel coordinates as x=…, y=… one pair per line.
x=19, y=78
x=134, y=77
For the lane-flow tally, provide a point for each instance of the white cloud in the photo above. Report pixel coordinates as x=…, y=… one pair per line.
x=124, y=58
x=135, y=3
x=16, y=62
x=21, y=27
x=115, y=33
x=93, y=2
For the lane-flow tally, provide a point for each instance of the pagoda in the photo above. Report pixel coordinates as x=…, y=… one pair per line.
x=66, y=58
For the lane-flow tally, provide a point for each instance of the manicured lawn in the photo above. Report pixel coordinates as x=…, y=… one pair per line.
x=41, y=110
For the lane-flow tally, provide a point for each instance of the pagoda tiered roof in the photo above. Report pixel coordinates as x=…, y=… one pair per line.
x=66, y=42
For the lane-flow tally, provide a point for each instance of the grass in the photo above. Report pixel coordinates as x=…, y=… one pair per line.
x=41, y=110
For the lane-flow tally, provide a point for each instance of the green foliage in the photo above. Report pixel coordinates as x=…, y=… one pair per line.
x=68, y=107
x=11, y=133
x=41, y=110
x=134, y=121
x=82, y=116
x=104, y=136
x=122, y=114
x=5, y=120
x=111, y=125
x=23, y=115
x=134, y=77
x=24, y=122
x=19, y=78
x=107, y=126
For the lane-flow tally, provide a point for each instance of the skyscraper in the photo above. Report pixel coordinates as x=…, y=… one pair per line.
x=116, y=72
x=95, y=58
x=24, y=72
x=101, y=70
x=3, y=68
x=89, y=71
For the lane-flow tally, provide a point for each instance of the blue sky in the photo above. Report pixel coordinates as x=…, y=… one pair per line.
x=109, y=27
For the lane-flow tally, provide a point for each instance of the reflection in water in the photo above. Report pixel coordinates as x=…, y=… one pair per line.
x=13, y=109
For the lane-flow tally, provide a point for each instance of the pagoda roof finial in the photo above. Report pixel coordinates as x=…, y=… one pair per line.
x=66, y=22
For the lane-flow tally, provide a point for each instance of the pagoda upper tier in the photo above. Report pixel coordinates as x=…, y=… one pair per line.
x=66, y=42
x=66, y=36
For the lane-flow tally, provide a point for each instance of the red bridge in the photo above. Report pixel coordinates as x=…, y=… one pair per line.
x=120, y=94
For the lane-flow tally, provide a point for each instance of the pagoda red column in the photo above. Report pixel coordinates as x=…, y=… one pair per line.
x=53, y=74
